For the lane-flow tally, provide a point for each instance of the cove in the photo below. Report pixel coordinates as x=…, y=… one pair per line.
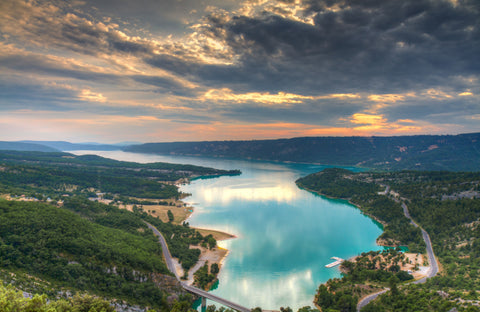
x=285, y=235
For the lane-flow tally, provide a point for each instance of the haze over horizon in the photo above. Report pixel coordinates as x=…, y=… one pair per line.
x=162, y=71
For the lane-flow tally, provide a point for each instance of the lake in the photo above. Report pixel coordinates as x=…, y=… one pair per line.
x=285, y=235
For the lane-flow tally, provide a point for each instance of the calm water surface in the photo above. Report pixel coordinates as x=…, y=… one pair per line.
x=285, y=235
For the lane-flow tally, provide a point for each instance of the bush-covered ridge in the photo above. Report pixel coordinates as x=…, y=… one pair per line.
x=12, y=300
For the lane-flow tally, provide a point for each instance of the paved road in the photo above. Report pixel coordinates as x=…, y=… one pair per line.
x=210, y=296
x=366, y=300
x=166, y=252
x=431, y=257
x=192, y=289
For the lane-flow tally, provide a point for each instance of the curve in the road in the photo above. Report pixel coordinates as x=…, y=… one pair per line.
x=431, y=257
x=192, y=289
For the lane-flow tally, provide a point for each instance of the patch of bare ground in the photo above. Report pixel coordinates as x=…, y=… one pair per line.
x=411, y=262
x=218, y=235
x=387, y=242
x=180, y=211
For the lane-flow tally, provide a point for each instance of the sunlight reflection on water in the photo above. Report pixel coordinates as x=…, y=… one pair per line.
x=286, y=235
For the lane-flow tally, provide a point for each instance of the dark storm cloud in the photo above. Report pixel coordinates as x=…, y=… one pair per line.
x=35, y=96
x=165, y=16
x=378, y=46
x=165, y=85
x=172, y=63
x=29, y=63
x=32, y=63
x=323, y=62
x=435, y=111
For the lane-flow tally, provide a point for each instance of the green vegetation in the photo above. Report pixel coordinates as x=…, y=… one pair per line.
x=12, y=300
x=60, y=174
x=369, y=273
x=359, y=189
x=62, y=247
x=60, y=242
x=445, y=204
x=203, y=278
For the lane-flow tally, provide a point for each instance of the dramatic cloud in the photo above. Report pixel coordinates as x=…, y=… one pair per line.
x=186, y=70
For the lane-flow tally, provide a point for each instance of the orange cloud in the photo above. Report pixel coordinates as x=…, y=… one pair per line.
x=87, y=95
x=226, y=94
x=372, y=124
x=367, y=119
x=437, y=94
x=390, y=98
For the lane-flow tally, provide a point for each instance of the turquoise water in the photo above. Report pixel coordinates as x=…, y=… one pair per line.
x=285, y=235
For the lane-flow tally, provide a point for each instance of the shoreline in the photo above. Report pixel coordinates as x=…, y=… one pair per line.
x=382, y=223
x=182, y=212
x=216, y=255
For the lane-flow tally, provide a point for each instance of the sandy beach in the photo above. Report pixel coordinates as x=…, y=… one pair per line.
x=181, y=213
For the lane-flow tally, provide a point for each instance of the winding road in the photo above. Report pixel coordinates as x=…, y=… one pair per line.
x=432, y=271
x=192, y=289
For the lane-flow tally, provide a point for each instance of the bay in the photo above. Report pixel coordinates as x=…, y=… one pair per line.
x=285, y=235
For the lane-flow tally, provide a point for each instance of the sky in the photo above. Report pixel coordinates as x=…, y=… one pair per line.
x=193, y=70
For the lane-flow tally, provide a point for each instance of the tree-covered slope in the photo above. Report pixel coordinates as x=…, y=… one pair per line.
x=61, y=174
x=445, y=204
x=422, y=152
x=363, y=192
x=58, y=235
x=61, y=247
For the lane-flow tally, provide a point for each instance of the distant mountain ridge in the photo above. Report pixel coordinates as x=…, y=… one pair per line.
x=26, y=146
x=67, y=146
x=420, y=152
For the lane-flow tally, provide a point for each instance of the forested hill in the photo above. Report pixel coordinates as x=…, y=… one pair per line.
x=73, y=224
x=422, y=152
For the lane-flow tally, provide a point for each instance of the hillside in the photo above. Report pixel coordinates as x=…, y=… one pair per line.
x=65, y=230
x=67, y=146
x=26, y=146
x=445, y=204
x=423, y=152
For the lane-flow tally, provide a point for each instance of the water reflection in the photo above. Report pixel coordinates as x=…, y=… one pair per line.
x=225, y=196
x=286, y=236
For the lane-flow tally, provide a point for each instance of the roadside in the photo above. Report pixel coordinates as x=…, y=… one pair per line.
x=424, y=272
x=181, y=212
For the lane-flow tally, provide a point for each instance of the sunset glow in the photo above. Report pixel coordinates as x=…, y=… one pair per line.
x=218, y=70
